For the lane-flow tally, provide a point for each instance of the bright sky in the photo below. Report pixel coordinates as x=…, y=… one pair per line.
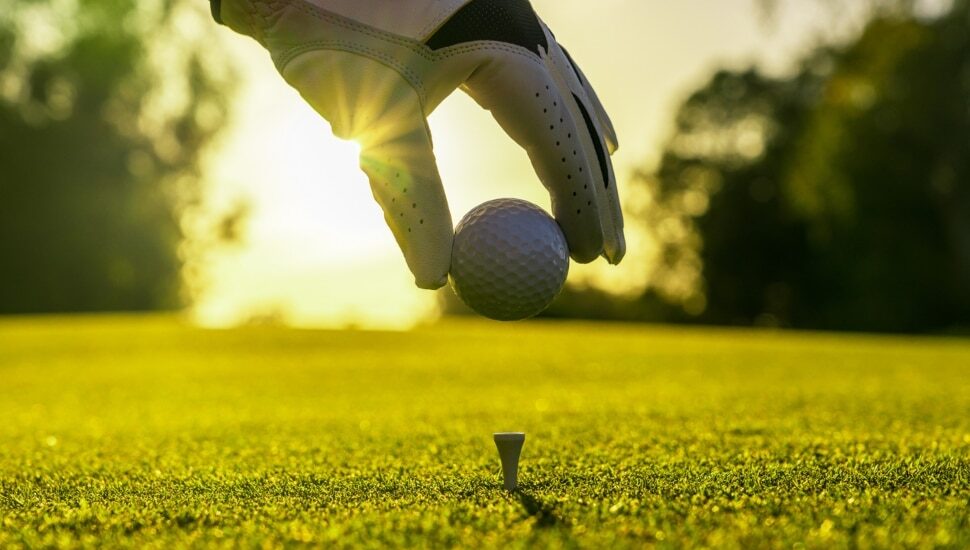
x=317, y=251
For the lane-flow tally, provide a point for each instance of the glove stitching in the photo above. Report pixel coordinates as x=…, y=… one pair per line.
x=453, y=51
x=415, y=47
x=324, y=15
x=409, y=76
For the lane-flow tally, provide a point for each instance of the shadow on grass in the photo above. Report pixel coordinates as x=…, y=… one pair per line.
x=544, y=514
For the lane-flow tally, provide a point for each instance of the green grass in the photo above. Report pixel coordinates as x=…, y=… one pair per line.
x=142, y=432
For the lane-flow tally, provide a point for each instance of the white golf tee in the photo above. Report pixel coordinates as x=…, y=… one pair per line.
x=509, y=446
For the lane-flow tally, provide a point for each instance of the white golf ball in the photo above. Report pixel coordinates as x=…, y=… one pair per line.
x=510, y=260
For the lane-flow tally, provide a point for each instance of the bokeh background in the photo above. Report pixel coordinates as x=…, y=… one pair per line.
x=796, y=163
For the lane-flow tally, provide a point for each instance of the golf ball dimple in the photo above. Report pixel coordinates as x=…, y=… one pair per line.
x=510, y=260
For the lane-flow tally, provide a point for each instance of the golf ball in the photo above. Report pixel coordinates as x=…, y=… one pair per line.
x=509, y=260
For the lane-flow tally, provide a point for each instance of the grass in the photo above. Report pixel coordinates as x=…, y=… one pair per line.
x=142, y=432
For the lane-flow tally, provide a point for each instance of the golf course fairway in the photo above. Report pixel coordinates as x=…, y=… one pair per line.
x=146, y=432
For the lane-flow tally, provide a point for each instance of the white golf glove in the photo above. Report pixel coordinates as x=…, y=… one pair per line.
x=375, y=69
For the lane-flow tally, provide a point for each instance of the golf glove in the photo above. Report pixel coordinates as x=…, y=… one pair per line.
x=375, y=69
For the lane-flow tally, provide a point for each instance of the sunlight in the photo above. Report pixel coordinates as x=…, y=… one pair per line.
x=317, y=250
x=316, y=200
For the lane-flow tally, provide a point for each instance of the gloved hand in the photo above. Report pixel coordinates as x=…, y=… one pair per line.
x=375, y=69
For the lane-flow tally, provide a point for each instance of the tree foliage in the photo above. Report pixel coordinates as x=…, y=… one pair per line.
x=105, y=109
x=837, y=198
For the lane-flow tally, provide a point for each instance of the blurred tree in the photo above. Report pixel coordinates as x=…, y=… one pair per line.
x=838, y=198
x=105, y=108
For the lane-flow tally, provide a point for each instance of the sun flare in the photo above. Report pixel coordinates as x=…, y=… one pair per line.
x=318, y=251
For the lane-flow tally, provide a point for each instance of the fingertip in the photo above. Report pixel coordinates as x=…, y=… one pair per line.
x=431, y=284
x=584, y=238
x=584, y=256
x=615, y=253
x=612, y=145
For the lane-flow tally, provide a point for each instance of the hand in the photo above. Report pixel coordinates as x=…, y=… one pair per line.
x=375, y=69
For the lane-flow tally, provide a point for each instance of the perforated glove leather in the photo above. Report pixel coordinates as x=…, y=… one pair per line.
x=375, y=69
